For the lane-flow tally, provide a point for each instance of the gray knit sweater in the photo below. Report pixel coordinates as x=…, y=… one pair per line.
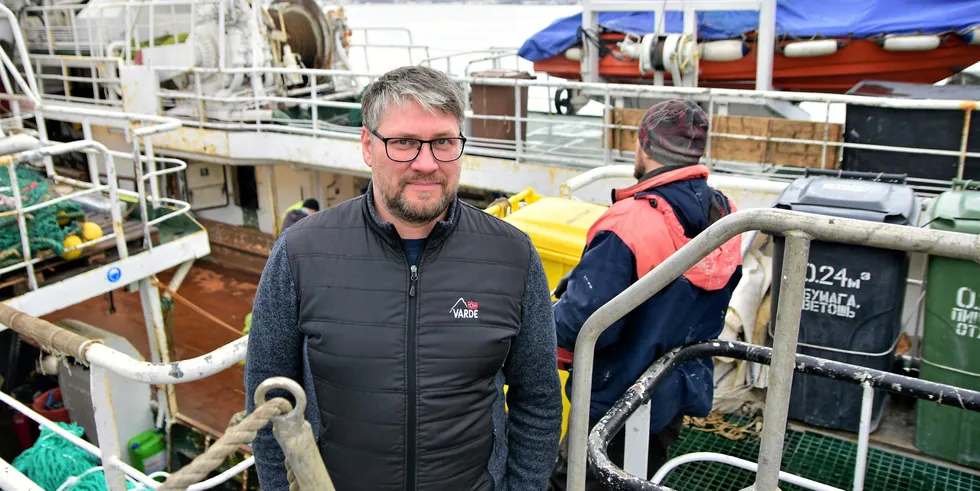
x=522, y=461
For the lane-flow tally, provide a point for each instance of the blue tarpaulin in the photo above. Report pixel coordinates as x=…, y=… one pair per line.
x=800, y=18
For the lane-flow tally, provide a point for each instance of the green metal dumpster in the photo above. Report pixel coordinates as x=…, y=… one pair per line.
x=951, y=332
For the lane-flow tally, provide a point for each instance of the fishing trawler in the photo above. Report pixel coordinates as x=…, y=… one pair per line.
x=183, y=129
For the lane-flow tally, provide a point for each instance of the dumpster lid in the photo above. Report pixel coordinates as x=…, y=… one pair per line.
x=851, y=198
x=959, y=207
x=502, y=73
x=906, y=90
x=557, y=225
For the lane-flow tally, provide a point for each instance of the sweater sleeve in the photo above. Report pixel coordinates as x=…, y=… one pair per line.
x=275, y=347
x=534, y=393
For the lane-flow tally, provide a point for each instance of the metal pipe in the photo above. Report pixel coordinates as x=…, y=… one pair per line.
x=14, y=105
x=967, y=113
x=177, y=372
x=864, y=433
x=161, y=124
x=11, y=478
x=519, y=144
x=517, y=125
x=141, y=191
x=220, y=478
x=636, y=448
x=21, y=48
x=641, y=392
x=818, y=227
x=115, y=462
x=765, y=45
x=105, y=424
x=634, y=90
x=788, y=314
x=34, y=97
x=736, y=462
x=25, y=244
x=567, y=188
x=178, y=277
x=151, y=174
x=183, y=208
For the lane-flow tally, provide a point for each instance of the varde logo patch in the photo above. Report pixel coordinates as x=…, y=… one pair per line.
x=465, y=310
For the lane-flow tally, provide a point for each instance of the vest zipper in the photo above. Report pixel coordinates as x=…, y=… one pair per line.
x=412, y=376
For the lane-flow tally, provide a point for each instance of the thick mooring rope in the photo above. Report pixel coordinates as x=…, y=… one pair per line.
x=239, y=434
x=715, y=423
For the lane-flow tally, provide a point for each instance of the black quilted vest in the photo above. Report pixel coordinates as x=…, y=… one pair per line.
x=403, y=358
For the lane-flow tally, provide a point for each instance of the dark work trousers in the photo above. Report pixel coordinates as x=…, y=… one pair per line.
x=656, y=456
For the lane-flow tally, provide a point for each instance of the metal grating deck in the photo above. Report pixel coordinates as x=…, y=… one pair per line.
x=817, y=457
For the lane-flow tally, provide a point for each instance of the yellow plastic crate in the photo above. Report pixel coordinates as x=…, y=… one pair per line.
x=558, y=228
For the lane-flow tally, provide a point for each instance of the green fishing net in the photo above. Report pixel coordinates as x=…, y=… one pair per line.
x=43, y=228
x=55, y=464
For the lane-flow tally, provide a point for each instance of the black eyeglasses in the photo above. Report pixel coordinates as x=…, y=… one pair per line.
x=407, y=149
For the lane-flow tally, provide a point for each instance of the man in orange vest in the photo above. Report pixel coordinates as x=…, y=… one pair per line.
x=647, y=222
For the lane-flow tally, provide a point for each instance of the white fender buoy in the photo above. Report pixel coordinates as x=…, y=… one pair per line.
x=972, y=36
x=910, y=43
x=726, y=50
x=808, y=49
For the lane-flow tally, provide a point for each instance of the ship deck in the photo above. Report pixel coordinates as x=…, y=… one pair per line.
x=225, y=294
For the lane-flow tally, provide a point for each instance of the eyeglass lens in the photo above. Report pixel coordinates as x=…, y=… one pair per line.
x=407, y=149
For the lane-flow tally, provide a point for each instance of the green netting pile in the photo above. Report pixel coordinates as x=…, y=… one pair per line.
x=55, y=464
x=43, y=228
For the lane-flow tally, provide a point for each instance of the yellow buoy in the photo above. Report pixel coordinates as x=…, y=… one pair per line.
x=63, y=218
x=71, y=241
x=91, y=231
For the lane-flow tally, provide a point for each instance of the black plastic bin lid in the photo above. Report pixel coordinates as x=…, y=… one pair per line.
x=851, y=198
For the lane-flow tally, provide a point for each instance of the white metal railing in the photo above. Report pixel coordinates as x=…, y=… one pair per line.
x=532, y=133
x=206, y=28
x=27, y=150
x=799, y=229
x=367, y=46
x=55, y=28
x=497, y=58
x=103, y=360
x=99, y=74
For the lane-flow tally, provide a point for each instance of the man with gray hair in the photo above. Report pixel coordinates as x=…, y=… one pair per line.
x=404, y=311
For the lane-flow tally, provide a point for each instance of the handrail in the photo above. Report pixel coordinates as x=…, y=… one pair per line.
x=639, y=393
x=58, y=340
x=567, y=188
x=21, y=49
x=634, y=89
x=803, y=227
x=19, y=209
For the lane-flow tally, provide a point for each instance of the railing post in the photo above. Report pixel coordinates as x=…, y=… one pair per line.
x=151, y=168
x=141, y=191
x=158, y=343
x=105, y=424
x=788, y=313
x=867, y=399
x=961, y=166
x=518, y=141
x=117, y=218
x=636, y=447
x=25, y=242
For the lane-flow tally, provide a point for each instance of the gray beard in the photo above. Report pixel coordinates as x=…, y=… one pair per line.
x=403, y=211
